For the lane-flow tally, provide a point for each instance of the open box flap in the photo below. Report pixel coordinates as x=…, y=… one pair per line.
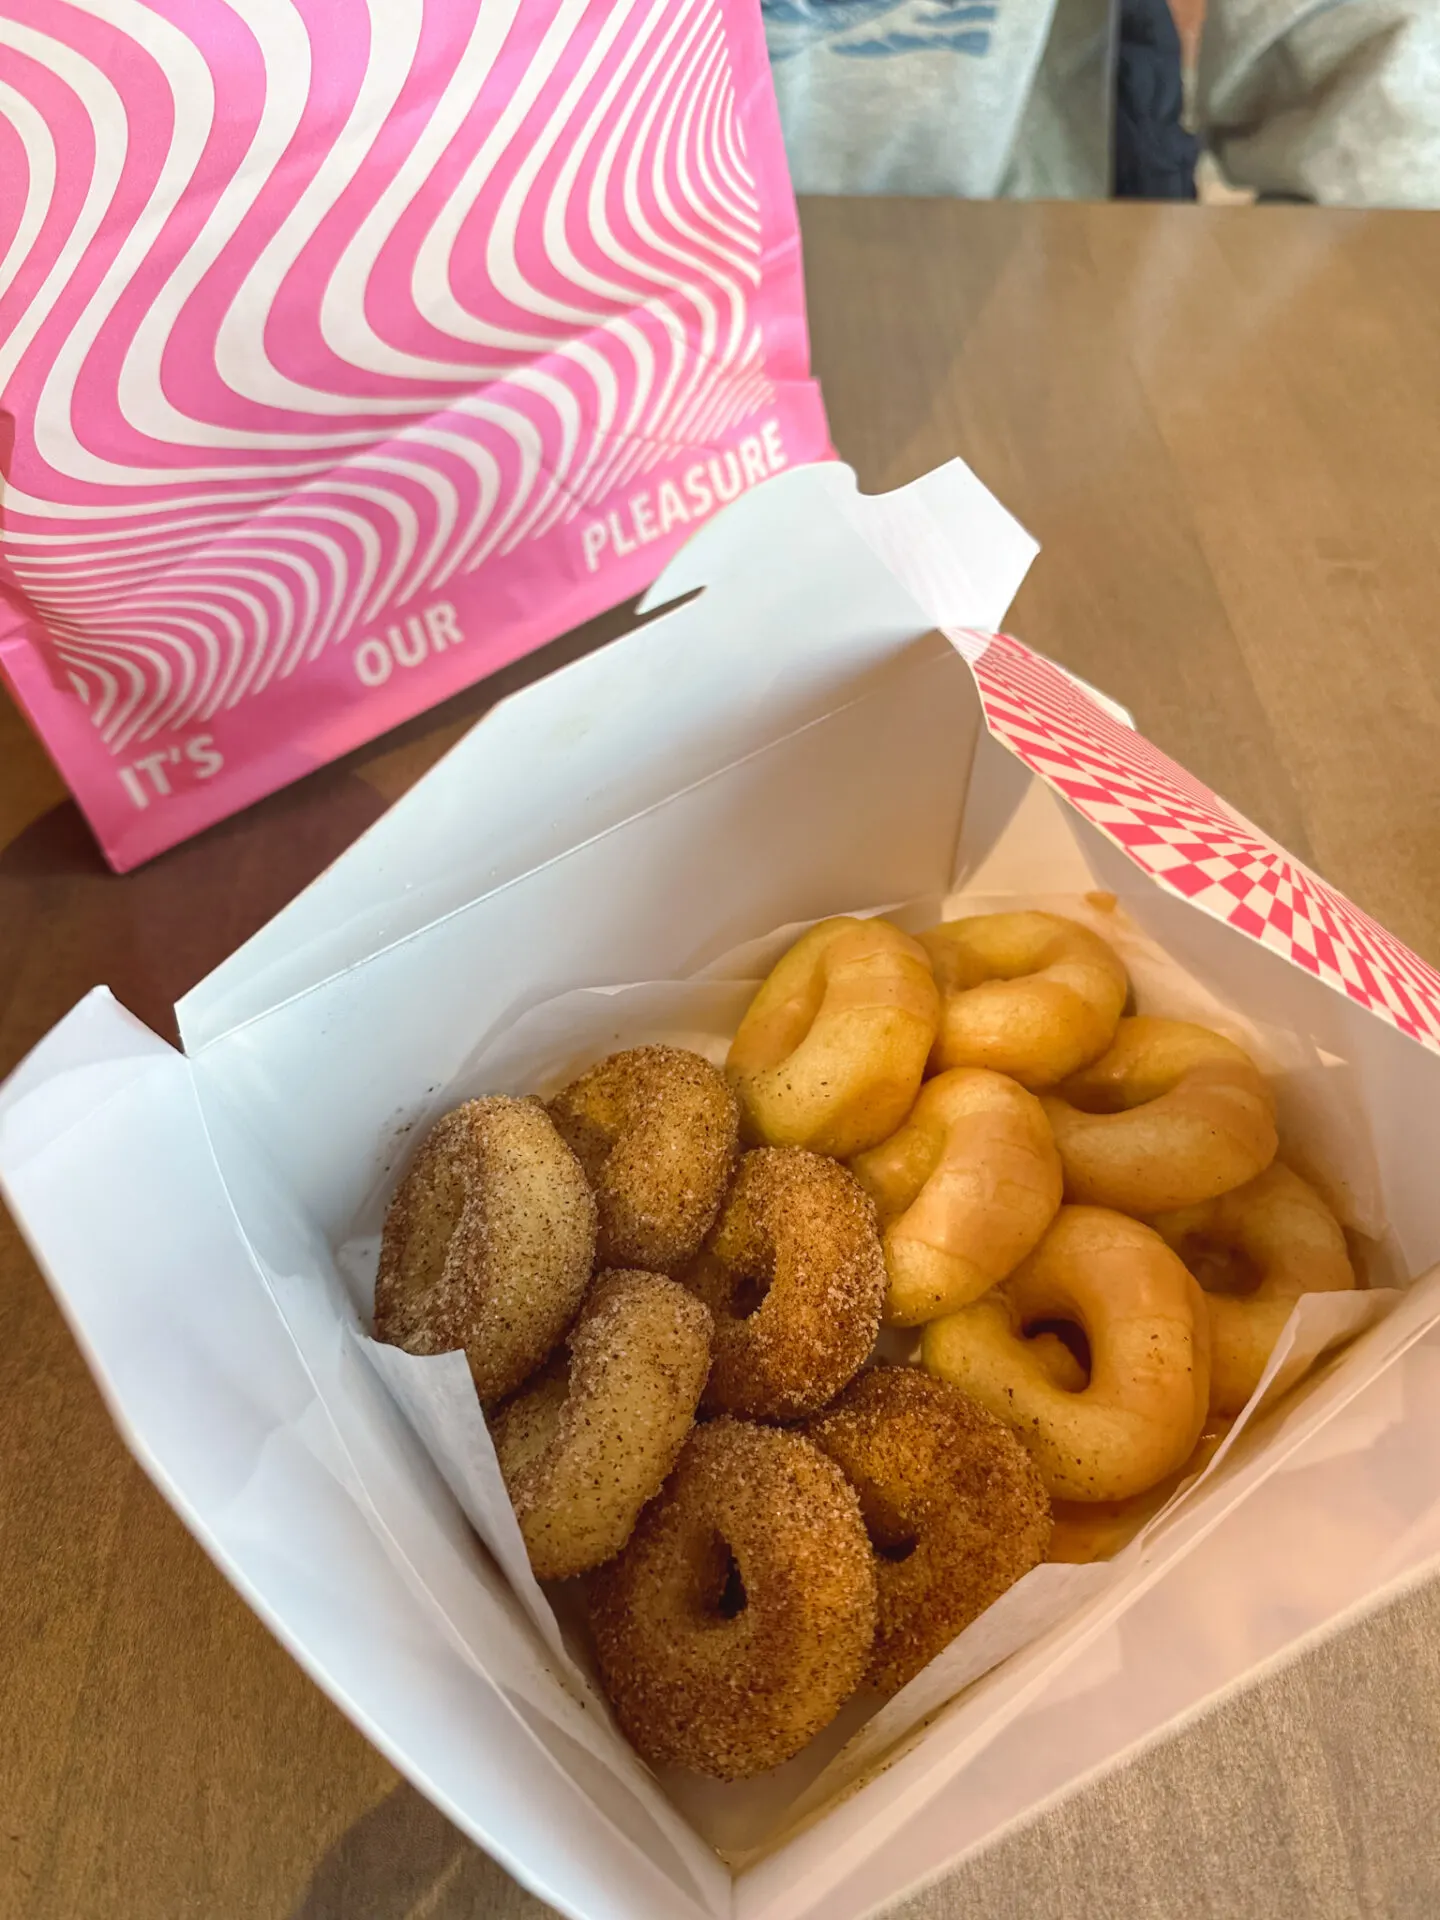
x=1189, y=840
x=562, y=761
x=180, y=1327
x=956, y=545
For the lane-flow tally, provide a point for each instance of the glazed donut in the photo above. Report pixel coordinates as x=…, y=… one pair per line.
x=963, y=1191
x=1149, y=1384
x=488, y=1243
x=829, y=1055
x=1275, y=1232
x=587, y=1444
x=795, y=1278
x=1029, y=994
x=656, y=1130
x=740, y=1617
x=1168, y=1116
x=954, y=1507
x=1083, y=1533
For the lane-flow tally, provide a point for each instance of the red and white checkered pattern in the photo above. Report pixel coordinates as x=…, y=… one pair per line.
x=1175, y=829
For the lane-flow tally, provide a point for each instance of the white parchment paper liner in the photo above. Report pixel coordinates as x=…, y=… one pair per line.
x=1324, y=1134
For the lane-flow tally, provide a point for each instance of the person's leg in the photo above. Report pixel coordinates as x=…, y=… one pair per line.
x=1155, y=155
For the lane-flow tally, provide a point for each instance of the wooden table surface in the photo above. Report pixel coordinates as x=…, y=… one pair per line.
x=1222, y=425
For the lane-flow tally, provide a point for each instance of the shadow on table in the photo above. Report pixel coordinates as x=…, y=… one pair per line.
x=67, y=923
x=403, y=1860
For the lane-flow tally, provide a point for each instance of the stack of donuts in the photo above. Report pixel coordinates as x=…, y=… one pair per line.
x=669, y=1282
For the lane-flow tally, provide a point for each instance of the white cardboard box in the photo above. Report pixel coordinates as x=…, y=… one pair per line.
x=793, y=740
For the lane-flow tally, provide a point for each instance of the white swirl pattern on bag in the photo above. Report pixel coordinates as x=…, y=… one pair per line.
x=453, y=284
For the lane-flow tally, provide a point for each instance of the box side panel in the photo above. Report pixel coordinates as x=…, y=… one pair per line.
x=1016, y=837
x=1197, y=846
x=213, y=1396
x=794, y=614
x=859, y=808
x=1311, y=1549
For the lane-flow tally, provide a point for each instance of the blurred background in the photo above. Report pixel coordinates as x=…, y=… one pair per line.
x=1330, y=101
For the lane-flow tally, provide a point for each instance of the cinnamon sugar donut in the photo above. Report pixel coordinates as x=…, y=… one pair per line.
x=953, y=1504
x=829, y=1055
x=964, y=1190
x=1279, y=1235
x=656, y=1130
x=794, y=1276
x=587, y=1444
x=488, y=1243
x=1148, y=1391
x=739, y=1619
x=1170, y=1115
x=1033, y=995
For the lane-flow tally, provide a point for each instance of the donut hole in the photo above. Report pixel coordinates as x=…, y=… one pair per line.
x=722, y=1585
x=733, y=1598
x=1072, y=1337
x=591, y=1143
x=892, y=1534
x=1098, y=1097
x=1219, y=1266
x=747, y=1294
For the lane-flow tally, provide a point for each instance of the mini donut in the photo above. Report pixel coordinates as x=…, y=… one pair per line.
x=953, y=1504
x=740, y=1617
x=587, y=1444
x=1144, y=1404
x=964, y=1190
x=829, y=1055
x=1170, y=1115
x=488, y=1243
x=795, y=1278
x=1277, y=1232
x=1029, y=994
x=1083, y=1533
x=656, y=1130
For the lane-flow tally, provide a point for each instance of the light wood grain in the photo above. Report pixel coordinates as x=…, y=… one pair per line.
x=1221, y=423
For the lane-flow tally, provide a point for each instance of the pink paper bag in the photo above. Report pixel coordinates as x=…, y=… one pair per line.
x=349, y=351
